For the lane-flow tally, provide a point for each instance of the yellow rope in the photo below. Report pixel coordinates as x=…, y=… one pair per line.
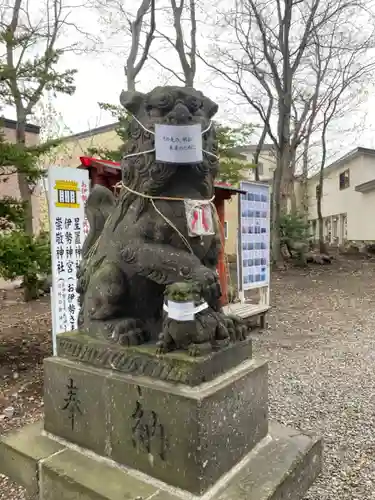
x=166, y=198
x=168, y=221
x=150, y=197
x=172, y=226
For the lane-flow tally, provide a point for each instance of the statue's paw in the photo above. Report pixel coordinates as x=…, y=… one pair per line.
x=161, y=347
x=236, y=327
x=162, y=344
x=195, y=350
x=221, y=344
x=130, y=332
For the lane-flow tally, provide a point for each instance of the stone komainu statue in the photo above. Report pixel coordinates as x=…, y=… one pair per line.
x=144, y=245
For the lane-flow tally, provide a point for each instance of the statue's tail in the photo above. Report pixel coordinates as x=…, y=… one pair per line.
x=100, y=204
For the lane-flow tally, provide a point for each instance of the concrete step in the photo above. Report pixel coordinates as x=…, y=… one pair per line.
x=282, y=466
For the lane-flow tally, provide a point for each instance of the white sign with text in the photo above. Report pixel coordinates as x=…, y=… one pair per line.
x=178, y=143
x=68, y=192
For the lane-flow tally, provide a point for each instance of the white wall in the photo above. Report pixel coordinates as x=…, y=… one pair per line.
x=267, y=159
x=357, y=206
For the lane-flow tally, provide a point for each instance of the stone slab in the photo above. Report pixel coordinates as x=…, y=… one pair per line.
x=282, y=467
x=72, y=475
x=186, y=436
x=175, y=366
x=20, y=453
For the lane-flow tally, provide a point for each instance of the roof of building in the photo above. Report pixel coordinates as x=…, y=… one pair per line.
x=252, y=147
x=112, y=126
x=92, y=131
x=352, y=155
x=12, y=124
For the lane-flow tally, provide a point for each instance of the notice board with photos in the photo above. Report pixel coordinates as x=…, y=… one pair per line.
x=254, y=236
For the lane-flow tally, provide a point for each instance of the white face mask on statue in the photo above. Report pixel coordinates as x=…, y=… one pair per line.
x=176, y=143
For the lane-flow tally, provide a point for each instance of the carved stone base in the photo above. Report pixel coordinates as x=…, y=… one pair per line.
x=175, y=366
x=186, y=436
x=282, y=466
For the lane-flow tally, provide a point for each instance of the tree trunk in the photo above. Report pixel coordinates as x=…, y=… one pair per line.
x=258, y=149
x=130, y=80
x=305, y=168
x=291, y=188
x=322, y=243
x=23, y=184
x=276, y=209
x=30, y=287
x=293, y=199
x=256, y=162
x=30, y=282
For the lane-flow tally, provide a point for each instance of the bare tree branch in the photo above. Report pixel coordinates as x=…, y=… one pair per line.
x=28, y=68
x=133, y=68
x=270, y=44
x=187, y=60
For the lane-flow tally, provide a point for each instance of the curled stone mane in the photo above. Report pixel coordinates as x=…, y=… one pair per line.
x=142, y=173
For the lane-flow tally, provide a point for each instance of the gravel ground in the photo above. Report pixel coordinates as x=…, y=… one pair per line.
x=320, y=346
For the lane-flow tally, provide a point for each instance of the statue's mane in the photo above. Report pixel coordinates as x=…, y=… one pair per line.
x=144, y=175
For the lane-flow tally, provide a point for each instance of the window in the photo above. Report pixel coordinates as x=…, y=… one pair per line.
x=335, y=224
x=344, y=179
x=226, y=229
x=260, y=168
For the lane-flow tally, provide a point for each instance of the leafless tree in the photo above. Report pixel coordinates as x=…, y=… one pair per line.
x=180, y=14
x=266, y=44
x=342, y=67
x=31, y=46
x=132, y=67
x=135, y=25
x=261, y=140
x=342, y=95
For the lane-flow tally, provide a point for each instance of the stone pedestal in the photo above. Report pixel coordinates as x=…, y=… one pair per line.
x=124, y=423
x=188, y=437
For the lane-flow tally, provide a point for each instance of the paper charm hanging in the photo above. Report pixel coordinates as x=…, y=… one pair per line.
x=199, y=217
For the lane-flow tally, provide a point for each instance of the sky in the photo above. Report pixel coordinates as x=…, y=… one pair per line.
x=100, y=78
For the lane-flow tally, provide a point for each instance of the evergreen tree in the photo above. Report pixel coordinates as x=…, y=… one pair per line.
x=21, y=253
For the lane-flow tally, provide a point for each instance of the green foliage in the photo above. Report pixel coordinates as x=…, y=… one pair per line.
x=231, y=137
x=293, y=229
x=21, y=254
x=233, y=164
x=33, y=74
x=24, y=255
x=12, y=213
x=19, y=158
